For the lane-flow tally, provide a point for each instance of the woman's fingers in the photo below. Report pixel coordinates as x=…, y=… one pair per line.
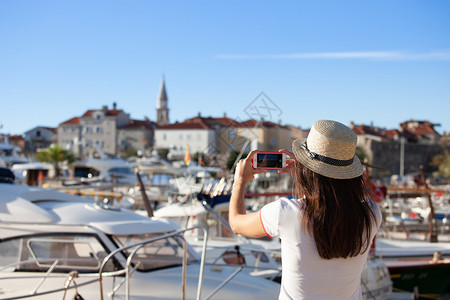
x=289, y=162
x=290, y=154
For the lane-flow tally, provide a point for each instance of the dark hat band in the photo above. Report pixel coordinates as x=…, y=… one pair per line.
x=327, y=160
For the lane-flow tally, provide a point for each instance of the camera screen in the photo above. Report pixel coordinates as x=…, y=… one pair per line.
x=269, y=160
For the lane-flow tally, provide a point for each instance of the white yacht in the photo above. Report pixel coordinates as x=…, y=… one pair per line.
x=10, y=154
x=55, y=245
x=260, y=258
x=107, y=170
x=32, y=173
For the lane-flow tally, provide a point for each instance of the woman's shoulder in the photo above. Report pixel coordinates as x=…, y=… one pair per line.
x=376, y=209
x=290, y=203
x=374, y=206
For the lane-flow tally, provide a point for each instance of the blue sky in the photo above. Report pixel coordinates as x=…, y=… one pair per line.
x=381, y=62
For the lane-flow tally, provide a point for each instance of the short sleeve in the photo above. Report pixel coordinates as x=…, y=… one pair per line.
x=269, y=215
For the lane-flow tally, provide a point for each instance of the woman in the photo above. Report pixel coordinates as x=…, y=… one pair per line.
x=327, y=229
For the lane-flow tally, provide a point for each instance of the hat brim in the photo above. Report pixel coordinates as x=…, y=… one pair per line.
x=327, y=170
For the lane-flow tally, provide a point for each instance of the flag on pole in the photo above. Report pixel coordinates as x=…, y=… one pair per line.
x=187, y=156
x=40, y=177
x=200, y=160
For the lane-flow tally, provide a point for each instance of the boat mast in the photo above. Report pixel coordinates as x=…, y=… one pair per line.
x=433, y=231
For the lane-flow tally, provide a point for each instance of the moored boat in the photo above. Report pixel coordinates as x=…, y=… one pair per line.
x=57, y=245
x=417, y=266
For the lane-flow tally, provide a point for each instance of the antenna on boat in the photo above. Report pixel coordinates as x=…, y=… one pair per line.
x=147, y=205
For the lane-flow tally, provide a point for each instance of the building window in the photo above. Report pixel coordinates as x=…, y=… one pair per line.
x=273, y=141
x=232, y=134
x=164, y=137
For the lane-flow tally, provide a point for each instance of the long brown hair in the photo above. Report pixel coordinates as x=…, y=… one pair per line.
x=336, y=212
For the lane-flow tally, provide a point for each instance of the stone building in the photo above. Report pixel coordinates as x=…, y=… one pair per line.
x=401, y=151
x=39, y=137
x=196, y=133
x=137, y=135
x=218, y=137
x=111, y=131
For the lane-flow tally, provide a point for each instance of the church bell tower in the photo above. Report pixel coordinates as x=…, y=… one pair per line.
x=162, y=111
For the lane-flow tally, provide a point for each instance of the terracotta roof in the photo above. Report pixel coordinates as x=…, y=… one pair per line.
x=364, y=129
x=73, y=121
x=274, y=125
x=419, y=127
x=200, y=122
x=15, y=138
x=185, y=126
x=253, y=123
x=109, y=112
x=139, y=124
x=227, y=122
x=193, y=123
x=391, y=133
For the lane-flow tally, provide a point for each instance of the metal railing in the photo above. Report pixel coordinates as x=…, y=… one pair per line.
x=139, y=245
x=127, y=270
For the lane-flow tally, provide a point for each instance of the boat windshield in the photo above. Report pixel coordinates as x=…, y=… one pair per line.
x=64, y=251
x=123, y=170
x=163, y=253
x=86, y=172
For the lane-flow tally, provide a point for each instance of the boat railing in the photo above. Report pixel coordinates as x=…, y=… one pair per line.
x=136, y=246
x=127, y=271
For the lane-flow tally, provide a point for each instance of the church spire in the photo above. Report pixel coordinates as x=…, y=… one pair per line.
x=162, y=110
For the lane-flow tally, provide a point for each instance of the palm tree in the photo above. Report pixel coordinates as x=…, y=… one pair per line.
x=55, y=155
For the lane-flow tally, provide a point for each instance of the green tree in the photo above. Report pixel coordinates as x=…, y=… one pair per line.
x=56, y=156
x=129, y=152
x=360, y=154
x=162, y=153
x=442, y=161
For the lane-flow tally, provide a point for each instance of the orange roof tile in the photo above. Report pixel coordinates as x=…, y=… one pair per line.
x=109, y=112
x=73, y=121
x=139, y=124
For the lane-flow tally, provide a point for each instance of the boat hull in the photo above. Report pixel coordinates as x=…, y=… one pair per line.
x=430, y=279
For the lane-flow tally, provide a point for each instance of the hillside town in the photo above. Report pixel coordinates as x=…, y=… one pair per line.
x=183, y=171
x=213, y=138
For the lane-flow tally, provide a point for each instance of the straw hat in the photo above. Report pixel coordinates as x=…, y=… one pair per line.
x=329, y=150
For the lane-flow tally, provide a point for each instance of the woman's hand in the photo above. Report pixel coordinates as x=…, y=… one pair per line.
x=241, y=222
x=290, y=162
x=244, y=169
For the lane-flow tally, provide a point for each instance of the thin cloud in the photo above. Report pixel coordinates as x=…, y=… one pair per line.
x=371, y=55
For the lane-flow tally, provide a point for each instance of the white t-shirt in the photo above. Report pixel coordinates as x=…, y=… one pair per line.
x=305, y=275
